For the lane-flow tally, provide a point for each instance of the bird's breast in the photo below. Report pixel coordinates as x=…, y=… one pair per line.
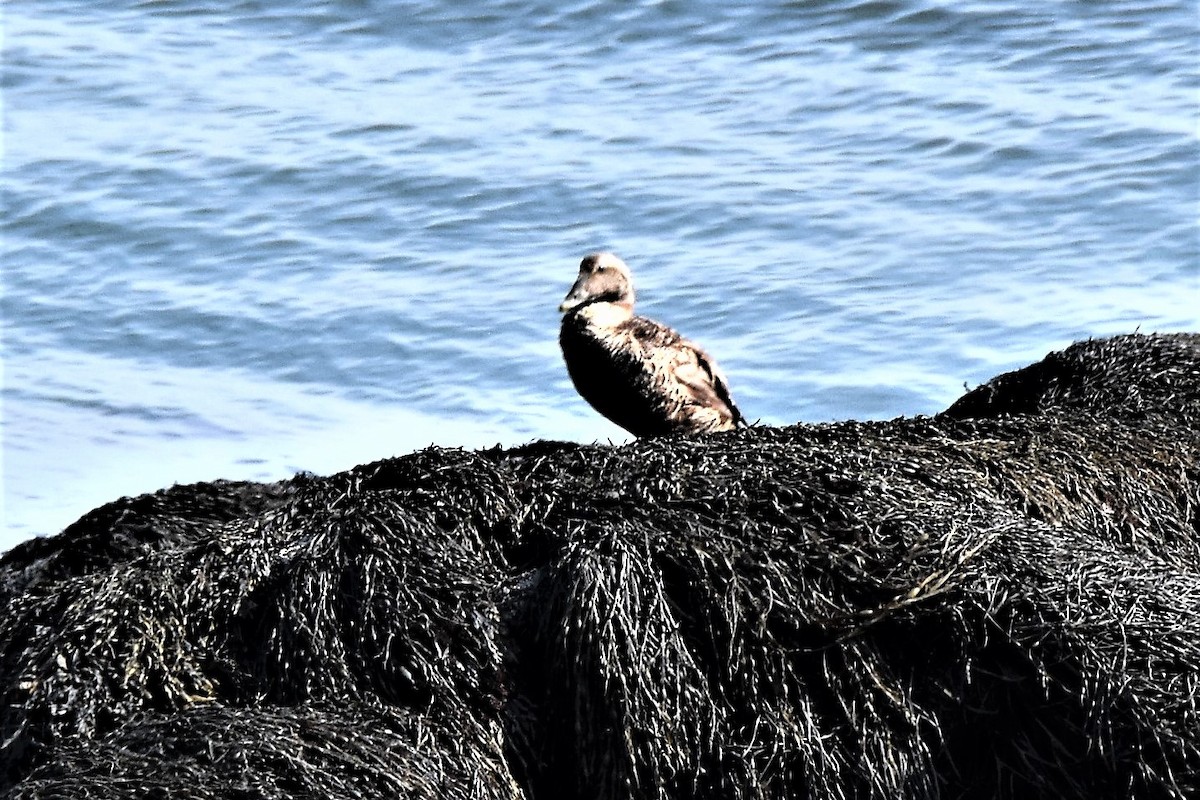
x=613, y=372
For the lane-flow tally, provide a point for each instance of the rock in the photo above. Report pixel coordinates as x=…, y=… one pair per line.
x=1000, y=601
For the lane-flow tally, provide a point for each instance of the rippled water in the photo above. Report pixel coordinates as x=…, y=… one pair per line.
x=246, y=241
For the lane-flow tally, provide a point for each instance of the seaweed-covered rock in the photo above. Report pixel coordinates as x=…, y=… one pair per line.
x=1133, y=375
x=1001, y=601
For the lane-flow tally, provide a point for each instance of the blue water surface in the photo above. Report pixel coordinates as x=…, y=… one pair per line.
x=246, y=239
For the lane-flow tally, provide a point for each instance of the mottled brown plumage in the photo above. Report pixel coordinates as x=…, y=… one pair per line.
x=643, y=376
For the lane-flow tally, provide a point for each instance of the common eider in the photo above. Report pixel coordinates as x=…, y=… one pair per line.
x=638, y=373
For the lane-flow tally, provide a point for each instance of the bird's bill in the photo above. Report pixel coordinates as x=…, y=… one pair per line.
x=578, y=295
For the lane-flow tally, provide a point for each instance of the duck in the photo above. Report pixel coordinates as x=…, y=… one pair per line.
x=638, y=373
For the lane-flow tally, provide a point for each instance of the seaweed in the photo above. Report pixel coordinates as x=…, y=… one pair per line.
x=999, y=601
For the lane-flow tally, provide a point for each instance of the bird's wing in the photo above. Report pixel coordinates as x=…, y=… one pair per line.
x=697, y=370
x=691, y=367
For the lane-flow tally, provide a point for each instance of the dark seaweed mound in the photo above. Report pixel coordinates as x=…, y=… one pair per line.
x=1001, y=601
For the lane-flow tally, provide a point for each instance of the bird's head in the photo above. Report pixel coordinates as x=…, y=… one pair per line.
x=603, y=278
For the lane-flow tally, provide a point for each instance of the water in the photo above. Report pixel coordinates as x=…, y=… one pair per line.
x=246, y=239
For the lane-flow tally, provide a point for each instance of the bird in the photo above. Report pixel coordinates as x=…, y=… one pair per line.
x=640, y=374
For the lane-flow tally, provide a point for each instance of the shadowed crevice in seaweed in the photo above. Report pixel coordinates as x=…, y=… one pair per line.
x=1001, y=601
